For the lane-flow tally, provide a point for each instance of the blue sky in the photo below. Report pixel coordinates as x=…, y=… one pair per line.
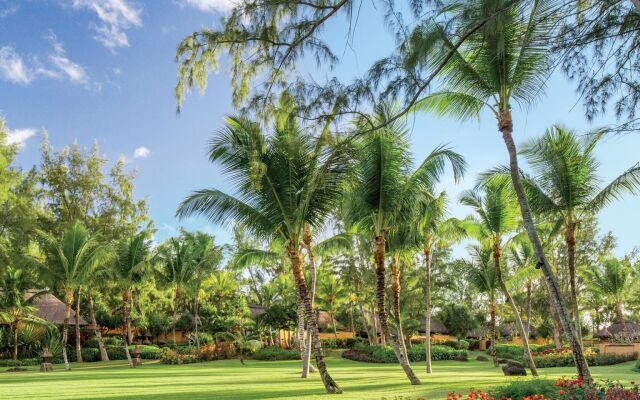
x=104, y=70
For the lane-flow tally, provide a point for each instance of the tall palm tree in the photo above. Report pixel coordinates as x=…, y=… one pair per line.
x=483, y=276
x=285, y=181
x=614, y=281
x=497, y=214
x=435, y=230
x=506, y=60
x=176, y=269
x=566, y=186
x=383, y=196
x=15, y=310
x=524, y=260
x=130, y=267
x=207, y=257
x=68, y=263
x=331, y=295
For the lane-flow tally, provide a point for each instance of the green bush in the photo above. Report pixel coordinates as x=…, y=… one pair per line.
x=116, y=353
x=90, y=354
x=148, y=352
x=564, y=358
x=20, y=363
x=206, y=338
x=113, y=341
x=474, y=344
x=92, y=342
x=522, y=388
x=252, y=346
x=637, y=367
x=416, y=353
x=332, y=343
x=275, y=353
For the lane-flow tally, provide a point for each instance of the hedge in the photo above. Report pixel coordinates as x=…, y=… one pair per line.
x=379, y=354
x=275, y=353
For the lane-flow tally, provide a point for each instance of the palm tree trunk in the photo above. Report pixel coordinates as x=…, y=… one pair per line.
x=68, y=300
x=196, y=316
x=379, y=255
x=353, y=327
x=505, y=125
x=529, y=289
x=96, y=329
x=126, y=301
x=307, y=241
x=301, y=285
x=617, y=309
x=78, y=344
x=514, y=308
x=427, y=291
x=365, y=323
x=395, y=289
x=376, y=326
x=492, y=312
x=174, y=320
x=570, y=241
x=333, y=322
x=15, y=341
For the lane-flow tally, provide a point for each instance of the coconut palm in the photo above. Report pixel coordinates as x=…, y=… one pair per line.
x=566, y=186
x=435, y=230
x=69, y=263
x=505, y=60
x=482, y=275
x=331, y=296
x=15, y=310
x=207, y=257
x=130, y=267
x=613, y=281
x=176, y=269
x=285, y=181
x=497, y=216
x=383, y=195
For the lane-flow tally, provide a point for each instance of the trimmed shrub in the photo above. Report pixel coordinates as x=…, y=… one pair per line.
x=113, y=341
x=90, y=354
x=275, y=353
x=333, y=343
x=20, y=363
x=416, y=353
x=564, y=358
x=637, y=367
x=116, y=353
x=148, y=352
x=522, y=388
x=251, y=346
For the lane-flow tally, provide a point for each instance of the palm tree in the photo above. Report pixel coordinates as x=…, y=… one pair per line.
x=566, y=186
x=614, y=281
x=495, y=206
x=68, y=263
x=483, y=276
x=331, y=295
x=435, y=230
x=383, y=195
x=15, y=310
x=523, y=258
x=176, y=269
x=285, y=181
x=504, y=60
x=207, y=257
x=130, y=268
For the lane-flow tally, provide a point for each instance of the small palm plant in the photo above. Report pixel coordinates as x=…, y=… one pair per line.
x=15, y=310
x=613, y=281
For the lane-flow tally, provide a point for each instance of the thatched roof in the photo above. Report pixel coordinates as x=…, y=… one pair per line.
x=436, y=326
x=510, y=329
x=324, y=321
x=629, y=328
x=256, y=310
x=50, y=308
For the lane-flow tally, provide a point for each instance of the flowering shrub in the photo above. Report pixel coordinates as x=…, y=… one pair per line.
x=170, y=356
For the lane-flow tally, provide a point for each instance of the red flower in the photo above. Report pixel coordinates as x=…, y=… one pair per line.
x=560, y=392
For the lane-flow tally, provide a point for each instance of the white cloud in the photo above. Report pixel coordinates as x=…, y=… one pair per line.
x=22, y=70
x=141, y=152
x=12, y=67
x=20, y=136
x=211, y=5
x=116, y=16
x=73, y=71
x=7, y=9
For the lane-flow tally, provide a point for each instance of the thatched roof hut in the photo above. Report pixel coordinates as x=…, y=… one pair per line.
x=628, y=328
x=50, y=308
x=509, y=329
x=256, y=310
x=437, y=327
x=325, y=322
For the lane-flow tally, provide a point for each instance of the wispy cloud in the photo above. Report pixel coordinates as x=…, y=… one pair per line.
x=7, y=8
x=210, y=5
x=141, y=152
x=116, y=16
x=12, y=66
x=20, y=136
x=17, y=68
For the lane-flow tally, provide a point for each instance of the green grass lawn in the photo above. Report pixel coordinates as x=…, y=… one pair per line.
x=262, y=380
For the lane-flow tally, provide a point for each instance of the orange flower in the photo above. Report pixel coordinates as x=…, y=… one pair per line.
x=560, y=392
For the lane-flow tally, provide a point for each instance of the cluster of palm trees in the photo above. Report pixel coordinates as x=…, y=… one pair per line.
x=78, y=264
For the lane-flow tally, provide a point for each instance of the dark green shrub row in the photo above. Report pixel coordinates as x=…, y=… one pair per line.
x=275, y=353
x=516, y=351
x=348, y=343
x=20, y=363
x=565, y=359
x=416, y=353
x=637, y=367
